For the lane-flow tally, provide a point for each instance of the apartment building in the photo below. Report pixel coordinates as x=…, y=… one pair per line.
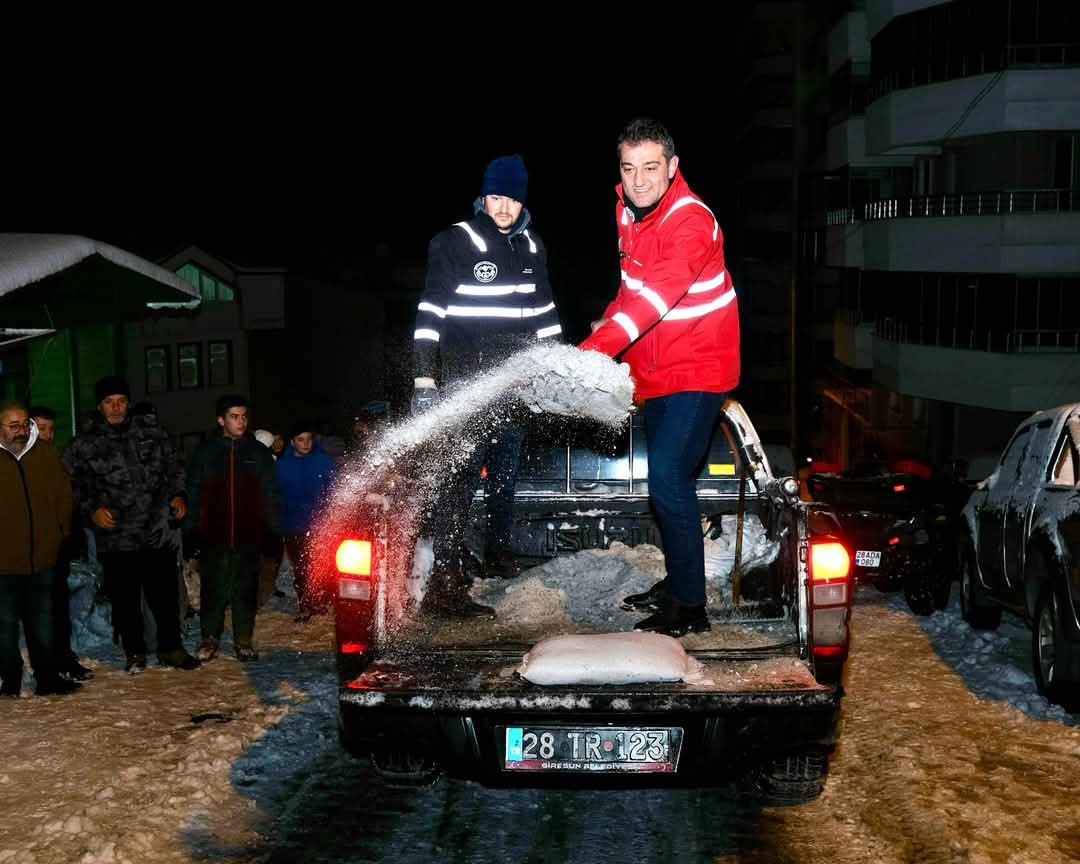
x=954, y=156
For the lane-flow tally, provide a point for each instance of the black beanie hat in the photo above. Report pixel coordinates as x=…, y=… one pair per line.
x=111, y=385
x=506, y=176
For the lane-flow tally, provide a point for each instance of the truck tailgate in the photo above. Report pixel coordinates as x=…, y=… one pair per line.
x=469, y=682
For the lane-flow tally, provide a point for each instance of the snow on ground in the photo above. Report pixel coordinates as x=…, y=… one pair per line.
x=945, y=747
x=994, y=664
x=947, y=751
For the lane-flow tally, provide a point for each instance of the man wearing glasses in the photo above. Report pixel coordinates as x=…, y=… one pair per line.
x=35, y=516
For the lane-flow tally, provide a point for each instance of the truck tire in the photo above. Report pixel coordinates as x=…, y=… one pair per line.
x=788, y=780
x=1051, y=651
x=978, y=616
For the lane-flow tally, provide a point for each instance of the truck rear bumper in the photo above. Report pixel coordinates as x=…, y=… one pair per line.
x=461, y=731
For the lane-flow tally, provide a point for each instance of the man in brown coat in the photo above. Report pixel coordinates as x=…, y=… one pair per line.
x=35, y=516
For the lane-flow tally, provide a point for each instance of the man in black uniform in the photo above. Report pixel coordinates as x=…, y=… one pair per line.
x=486, y=296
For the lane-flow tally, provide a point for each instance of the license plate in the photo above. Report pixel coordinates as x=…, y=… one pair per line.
x=557, y=748
x=866, y=558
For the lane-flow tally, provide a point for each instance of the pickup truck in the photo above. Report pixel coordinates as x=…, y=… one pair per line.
x=1021, y=549
x=423, y=700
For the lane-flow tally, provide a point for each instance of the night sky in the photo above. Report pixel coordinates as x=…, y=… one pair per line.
x=301, y=166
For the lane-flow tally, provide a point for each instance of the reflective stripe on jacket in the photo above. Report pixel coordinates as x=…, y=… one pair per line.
x=675, y=317
x=486, y=295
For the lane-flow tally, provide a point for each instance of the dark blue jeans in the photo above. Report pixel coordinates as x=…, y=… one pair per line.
x=27, y=597
x=500, y=452
x=679, y=428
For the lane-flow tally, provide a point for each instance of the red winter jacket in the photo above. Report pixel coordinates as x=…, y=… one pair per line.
x=675, y=314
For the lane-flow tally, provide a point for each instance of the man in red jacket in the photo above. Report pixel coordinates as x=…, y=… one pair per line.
x=675, y=320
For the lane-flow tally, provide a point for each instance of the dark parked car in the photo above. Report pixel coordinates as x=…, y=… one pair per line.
x=867, y=501
x=1021, y=548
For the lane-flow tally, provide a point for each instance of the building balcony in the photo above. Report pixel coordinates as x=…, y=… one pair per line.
x=1029, y=231
x=1019, y=370
x=848, y=41
x=881, y=12
x=916, y=120
x=846, y=145
x=853, y=340
x=843, y=238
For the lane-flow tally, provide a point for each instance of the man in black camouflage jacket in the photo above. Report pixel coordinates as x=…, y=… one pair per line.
x=128, y=484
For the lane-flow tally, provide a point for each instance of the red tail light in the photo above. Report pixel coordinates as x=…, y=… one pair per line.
x=830, y=598
x=353, y=558
x=899, y=487
x=829, y=562
x=893, y=541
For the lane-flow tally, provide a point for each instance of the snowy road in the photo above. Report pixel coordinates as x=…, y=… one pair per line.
x=239, y=764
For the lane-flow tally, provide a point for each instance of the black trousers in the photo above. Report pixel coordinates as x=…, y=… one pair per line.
x=129, y=575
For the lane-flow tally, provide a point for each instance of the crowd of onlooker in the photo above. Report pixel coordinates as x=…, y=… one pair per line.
x=122, y=498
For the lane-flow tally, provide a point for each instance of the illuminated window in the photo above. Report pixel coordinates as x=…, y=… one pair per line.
x=189, y=365
x=211, y=289
x=220, y=363
x=158, y=379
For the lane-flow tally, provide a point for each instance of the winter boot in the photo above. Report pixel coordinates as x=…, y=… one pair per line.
x=136, y=664
x=54, y=685
x=245, y=653
x=674, y=619
x=178, y=659
x=74, y=670
x=207, y=649
x=647, y=601
x=448, y=597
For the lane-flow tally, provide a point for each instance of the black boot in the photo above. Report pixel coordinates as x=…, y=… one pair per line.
x=74, y=670
x=54, y=685
x=447, y=596
x=676, y=620
x=646, y=601
x=178, y=659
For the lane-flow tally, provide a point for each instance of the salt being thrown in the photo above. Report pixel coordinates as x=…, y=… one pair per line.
x=552, y=379
x=408, y=462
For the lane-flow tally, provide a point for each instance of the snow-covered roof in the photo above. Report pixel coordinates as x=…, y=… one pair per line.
x=12, y=335
x=26, y=259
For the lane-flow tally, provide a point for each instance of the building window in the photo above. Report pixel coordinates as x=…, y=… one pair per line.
x=189, y=362
x=211, y=289
x=221, y=363
x=158, y=379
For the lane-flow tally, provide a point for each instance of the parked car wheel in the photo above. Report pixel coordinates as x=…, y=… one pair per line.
x=1050, y=651
x=978, y=616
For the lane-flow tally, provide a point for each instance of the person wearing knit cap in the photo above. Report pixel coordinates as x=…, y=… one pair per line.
x=129, y=486
x=486, y=296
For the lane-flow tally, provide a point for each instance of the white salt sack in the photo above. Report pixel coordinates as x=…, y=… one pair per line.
x=608, y=658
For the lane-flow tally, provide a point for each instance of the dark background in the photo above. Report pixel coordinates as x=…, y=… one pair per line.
x=314, y=164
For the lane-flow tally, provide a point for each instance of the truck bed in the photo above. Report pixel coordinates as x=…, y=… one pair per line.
x=486, y=680
x=732, y=634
